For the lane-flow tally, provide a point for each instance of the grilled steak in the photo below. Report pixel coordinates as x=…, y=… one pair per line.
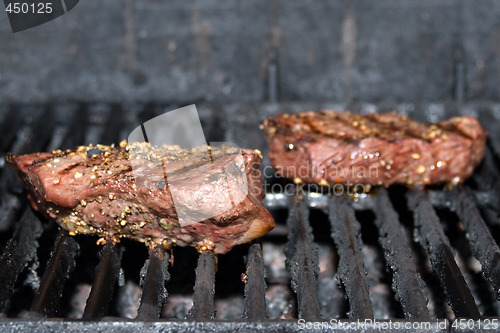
x=329, y=147
x=139, y=191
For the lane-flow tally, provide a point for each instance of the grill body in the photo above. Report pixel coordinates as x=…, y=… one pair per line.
x=399, y=255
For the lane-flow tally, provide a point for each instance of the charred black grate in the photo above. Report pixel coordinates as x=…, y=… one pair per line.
x=432, y=237
x=390, y=259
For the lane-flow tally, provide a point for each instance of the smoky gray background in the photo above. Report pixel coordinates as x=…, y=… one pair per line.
x=225, y=51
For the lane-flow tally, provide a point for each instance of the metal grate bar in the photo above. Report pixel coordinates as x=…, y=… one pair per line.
x=154, y=293
x=98, y=124
x=255, y=286
x=406, y=284
x=71, y=134
x=432, y=238
x=346, y=234
x=38, y=132
x=301, y=260
x=62, y=262
x=8, y=128
x=487, y=174
x=19, y=251
x=491, y=124
x=273, y=326
x=9, y=206
x=30, y=138
x=482, y=243
x=104, y=283
x=109, y=266
x=114, y=123
x=314, y=200
x=204, y=289
x=65, y=250
x=487, y=178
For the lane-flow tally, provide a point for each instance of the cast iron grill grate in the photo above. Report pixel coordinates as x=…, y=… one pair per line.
x=427, y=249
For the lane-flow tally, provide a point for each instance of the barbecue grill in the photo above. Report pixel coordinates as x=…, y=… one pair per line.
x=396, y=255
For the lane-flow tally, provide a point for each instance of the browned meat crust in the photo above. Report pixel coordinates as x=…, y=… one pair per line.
x=106, y=191
x=329, y=147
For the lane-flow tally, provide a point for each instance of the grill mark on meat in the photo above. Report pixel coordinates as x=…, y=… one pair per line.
x=448, y=127
x=71, y=167
x=120, y=173
x=41, y=160
x=315, y=128
x=193, y=166
x=392, y=127
x=403, y=150
x=348, y=124
x=63, y=154
x=185, y=169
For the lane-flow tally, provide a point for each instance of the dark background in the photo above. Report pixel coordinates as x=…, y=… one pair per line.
x=109, y=65
x=223, y=51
